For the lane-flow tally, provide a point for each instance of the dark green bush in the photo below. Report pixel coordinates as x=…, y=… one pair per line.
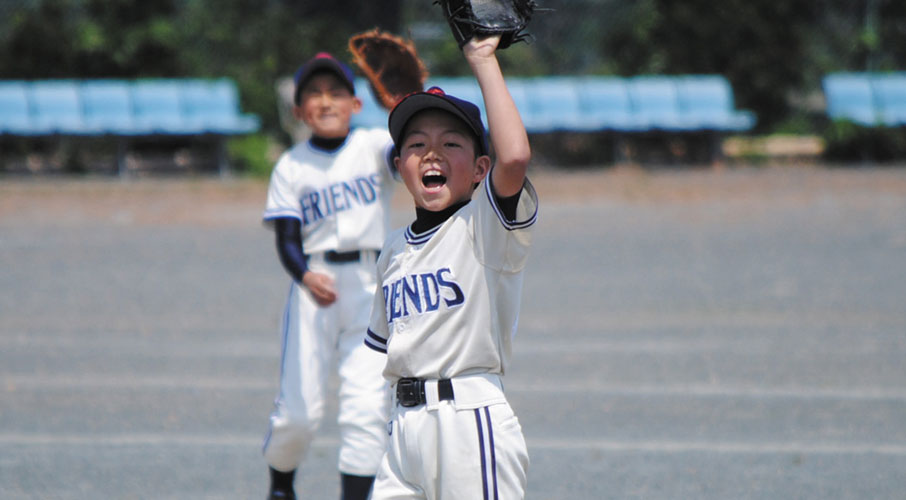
x=848, y=141
x=250, y=155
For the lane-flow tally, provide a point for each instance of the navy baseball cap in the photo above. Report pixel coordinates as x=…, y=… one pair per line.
x=436, y=98
x=323, y=61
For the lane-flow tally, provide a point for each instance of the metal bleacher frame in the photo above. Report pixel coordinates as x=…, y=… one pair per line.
x=124, y=110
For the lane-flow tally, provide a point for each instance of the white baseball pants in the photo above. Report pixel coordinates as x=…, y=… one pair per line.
x=471, y=448
x=314, y=338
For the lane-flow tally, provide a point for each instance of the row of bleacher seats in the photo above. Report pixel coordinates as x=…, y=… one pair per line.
x=869, y=99
x=149, y=107
x=683, y=103
x=547, y=104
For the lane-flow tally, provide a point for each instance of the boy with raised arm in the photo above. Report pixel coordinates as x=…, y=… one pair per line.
x=449, y=288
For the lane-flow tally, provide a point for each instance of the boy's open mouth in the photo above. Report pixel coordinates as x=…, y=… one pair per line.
x=433, y=180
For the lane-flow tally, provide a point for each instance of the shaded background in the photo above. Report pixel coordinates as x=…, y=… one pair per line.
x=773, y=53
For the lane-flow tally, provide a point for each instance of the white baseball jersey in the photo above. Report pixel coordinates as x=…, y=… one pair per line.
x=341, y=197
x=448, y=299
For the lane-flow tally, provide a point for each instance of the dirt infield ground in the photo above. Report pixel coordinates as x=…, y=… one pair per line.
x=684, y=333
x=213, y=201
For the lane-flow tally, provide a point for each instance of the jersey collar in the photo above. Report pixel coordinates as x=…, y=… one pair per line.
x=428, y=222
x=329, y=146
x=413, y=238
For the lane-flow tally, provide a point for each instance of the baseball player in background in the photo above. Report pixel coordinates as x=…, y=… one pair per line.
x=328, y=202
x=450, y=286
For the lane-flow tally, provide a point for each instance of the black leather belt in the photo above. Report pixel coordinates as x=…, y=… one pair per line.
x=342, y=257
x=411, y=391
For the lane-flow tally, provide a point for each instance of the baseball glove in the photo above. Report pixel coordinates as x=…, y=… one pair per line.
x=390, y=64
x=484, y=18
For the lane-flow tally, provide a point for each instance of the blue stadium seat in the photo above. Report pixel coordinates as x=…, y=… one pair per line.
x=605, y=105
x=56, y=107
x=157, y=108
x=123, y=109
x=707, y=102
x=890, y=96
x=372, y=113
x=655, y=103
x=550, y=104
x=15, y=117
x=107, y=107
x=849, y=97
x=212, y=106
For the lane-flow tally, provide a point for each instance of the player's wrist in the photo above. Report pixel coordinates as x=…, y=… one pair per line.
x=478, y=60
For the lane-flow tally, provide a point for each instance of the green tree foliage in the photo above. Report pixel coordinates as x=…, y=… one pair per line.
x=253, y=42
x=95, y=38
x=31, y=35
x=769, y=50
x=761, y=47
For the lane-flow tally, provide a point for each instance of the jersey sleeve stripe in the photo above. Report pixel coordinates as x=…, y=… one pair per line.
x=375, y=348
x=528, y=190
x=375, y=342
x=281, y=212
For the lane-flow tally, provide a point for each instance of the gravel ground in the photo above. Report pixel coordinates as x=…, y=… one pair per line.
x=696, y=333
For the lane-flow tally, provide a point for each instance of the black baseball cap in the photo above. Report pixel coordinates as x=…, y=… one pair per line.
x=323, y=61
x=436, y=98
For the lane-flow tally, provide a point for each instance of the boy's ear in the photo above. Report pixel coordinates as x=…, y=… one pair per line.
x=356, y=104
x=482, y=167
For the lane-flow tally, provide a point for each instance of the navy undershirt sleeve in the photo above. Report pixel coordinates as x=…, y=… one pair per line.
x=507, y=204
x=289, y=246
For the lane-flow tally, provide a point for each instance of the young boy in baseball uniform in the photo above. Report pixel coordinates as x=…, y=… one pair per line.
x=449, y=291
x=328, y=203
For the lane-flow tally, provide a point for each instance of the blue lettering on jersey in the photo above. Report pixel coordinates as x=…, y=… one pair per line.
x=339, y=197
x=430, y=291
x=421, y=294
x=458, y=297
x=411, y=296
